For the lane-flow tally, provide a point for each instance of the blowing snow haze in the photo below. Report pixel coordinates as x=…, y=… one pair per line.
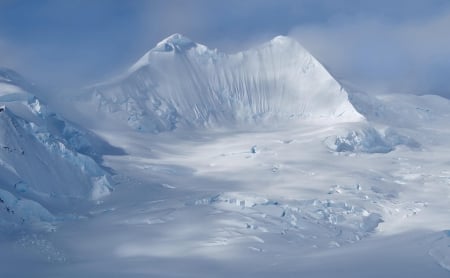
x=198, y=162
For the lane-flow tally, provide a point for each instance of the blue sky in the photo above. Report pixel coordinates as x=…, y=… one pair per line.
x=380, y=46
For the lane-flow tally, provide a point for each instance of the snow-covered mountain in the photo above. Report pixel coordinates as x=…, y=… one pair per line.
x=180, y=83
x=45, y=161
x=273, y=169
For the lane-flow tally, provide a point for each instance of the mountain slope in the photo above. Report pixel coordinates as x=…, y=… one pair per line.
x=180, y=83
x=346, y=195
x=44, y=160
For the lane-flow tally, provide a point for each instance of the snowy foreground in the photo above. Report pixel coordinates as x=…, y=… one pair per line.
x=346, y=186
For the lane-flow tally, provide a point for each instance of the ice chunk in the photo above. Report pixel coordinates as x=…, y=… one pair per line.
x=369, y=140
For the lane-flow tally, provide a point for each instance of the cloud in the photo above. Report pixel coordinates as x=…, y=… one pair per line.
x=384, y=46
x=380, y=46
x=384, y=56
x=14, y=56
x=7, y=54
x=66, y=43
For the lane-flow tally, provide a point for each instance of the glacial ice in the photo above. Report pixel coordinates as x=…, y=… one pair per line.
x=23, y=212
x=344, y=221
x=369, y=140
x=44, y=159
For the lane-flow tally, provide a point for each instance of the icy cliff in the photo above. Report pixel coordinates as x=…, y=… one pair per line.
x=44, y=161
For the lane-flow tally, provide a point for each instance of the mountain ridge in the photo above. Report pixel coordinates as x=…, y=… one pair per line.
x=47, y=164
x=180, y=83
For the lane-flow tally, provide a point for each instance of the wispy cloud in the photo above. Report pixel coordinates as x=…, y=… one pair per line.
x=384, y=56
x=386, y=46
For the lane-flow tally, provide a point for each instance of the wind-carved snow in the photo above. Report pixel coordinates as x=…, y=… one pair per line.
x=180, y=83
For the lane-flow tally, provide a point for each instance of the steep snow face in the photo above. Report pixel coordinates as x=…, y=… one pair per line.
x=180, y=83
x=43, y=159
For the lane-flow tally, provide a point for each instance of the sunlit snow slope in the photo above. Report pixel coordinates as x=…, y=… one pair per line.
x=180, y=83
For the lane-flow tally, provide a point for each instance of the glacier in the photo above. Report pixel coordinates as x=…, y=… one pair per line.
x=198, y=163
x=44, y=160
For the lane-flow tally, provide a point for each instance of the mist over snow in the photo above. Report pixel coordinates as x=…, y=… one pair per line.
x=224, y=149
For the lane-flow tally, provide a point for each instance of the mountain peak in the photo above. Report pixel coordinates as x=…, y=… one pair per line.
x=286, y=42
x=175, y=42
x=184, y=84
x=283, y=39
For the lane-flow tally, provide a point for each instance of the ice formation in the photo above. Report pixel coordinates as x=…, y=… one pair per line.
x=44, y=160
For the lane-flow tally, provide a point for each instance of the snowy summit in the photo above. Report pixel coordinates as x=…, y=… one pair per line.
x=181, y=84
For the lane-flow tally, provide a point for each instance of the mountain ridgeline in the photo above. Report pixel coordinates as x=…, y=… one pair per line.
x=183, y=84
